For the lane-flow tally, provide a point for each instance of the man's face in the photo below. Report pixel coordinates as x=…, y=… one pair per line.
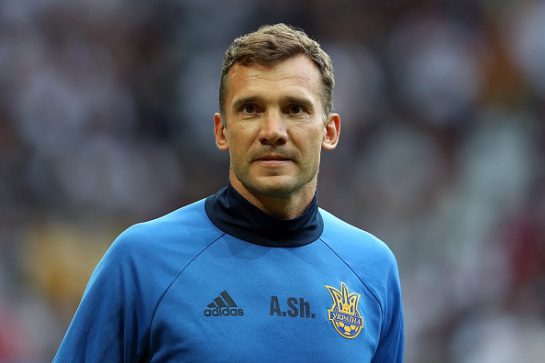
x=274, y=127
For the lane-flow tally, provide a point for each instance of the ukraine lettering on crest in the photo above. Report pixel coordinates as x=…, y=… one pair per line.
x=344, y=313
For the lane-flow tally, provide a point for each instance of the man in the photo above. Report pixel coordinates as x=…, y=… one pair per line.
x=256, y=272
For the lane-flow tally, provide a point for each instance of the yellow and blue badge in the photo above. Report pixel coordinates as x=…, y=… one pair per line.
x=344, y=314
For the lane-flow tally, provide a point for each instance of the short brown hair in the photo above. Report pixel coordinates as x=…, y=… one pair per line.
x=271, y=44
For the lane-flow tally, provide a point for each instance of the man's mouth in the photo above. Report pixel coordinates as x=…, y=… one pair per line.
x=273, y=157
x=273, y=160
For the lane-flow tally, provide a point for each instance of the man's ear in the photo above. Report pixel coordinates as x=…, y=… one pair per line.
x=332, y=132
x=219, y=132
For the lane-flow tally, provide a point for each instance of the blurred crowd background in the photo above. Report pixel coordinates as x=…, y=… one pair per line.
x=106, y=120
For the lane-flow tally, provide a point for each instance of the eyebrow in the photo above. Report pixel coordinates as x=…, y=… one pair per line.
x=305, y=102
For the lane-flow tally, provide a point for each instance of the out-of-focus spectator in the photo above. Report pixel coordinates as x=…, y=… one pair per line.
x=527, y=27
x=434, y=62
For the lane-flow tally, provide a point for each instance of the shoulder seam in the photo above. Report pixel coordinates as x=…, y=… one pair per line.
x=175, y=279
x=373, y=294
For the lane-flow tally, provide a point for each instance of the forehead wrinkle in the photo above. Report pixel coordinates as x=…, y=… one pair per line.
x=264, y=68
x=295, y=86
x=253, y=73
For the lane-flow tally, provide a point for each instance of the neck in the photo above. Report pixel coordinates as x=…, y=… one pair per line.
x=288, y=206
x=236, y=216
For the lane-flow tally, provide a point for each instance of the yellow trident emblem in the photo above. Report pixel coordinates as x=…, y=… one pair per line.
x=344, y=314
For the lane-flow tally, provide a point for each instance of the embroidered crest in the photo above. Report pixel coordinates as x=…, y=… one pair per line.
x=344, y=314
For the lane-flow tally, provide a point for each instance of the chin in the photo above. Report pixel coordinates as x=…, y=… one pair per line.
x=273, y=186
x=276, y=186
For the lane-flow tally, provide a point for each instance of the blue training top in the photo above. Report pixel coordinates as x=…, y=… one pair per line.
x=221, y=281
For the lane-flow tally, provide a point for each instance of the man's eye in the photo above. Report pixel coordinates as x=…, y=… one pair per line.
x=295, y=109
x=249, y=108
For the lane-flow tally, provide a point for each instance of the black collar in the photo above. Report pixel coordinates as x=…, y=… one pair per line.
x=234, y=215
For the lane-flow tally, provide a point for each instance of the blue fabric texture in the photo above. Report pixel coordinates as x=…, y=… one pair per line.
x=181, y=288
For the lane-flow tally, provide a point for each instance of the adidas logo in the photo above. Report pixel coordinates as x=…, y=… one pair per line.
x=223, y=305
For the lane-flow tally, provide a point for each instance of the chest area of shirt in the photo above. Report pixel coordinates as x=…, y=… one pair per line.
x=241, y=302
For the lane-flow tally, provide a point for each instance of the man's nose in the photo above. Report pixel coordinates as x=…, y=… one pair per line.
x=273, y=129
